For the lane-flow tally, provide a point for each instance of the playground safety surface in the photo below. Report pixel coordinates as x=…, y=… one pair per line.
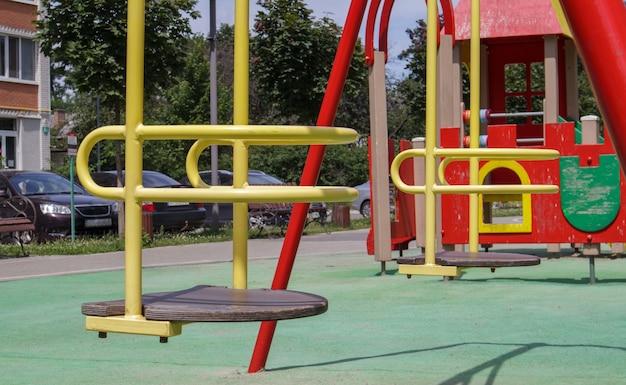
x=540, y=324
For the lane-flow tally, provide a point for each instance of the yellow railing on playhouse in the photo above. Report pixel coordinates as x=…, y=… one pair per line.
x=457, y=154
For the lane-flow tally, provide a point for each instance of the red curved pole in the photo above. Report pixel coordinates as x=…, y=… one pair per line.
x=326, y=117
x=449, y=26
x=369, y=32
x=384, y=28
x=599, y=31
x=448, y=19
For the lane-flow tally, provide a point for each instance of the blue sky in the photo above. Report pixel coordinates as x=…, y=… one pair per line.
x=404, y=15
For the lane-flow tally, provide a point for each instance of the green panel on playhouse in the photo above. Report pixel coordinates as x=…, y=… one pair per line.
x=590, y=196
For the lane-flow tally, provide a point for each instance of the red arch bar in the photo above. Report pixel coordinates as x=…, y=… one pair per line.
x=448, y=17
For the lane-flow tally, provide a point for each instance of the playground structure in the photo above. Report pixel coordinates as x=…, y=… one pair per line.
x=530, y=46
x=164, y=314
x=532, y=76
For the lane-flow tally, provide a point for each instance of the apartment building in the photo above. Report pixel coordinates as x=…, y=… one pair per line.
x=24, y=89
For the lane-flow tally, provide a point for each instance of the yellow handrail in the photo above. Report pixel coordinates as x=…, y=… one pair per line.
x=208, y=135
x=463, y=154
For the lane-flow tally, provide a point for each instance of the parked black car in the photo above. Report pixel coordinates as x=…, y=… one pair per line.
x=225, y=178
x=50, y=194
x=255, y=177
x=165, y=215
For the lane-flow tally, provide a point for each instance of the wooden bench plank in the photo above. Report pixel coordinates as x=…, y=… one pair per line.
x=9, y=225
x=218, y=304
x=479, y=259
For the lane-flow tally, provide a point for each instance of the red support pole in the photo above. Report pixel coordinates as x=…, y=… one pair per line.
x=310, y=173
x=599, y=31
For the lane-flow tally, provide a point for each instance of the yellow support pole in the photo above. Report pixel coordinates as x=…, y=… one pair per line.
x=240, y=150
x=241, y=62
x=431, y=132
x=474, y=121
x=134, y=118
x=240, y=218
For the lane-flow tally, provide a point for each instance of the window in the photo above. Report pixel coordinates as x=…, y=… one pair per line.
x=515, y=77
x=27, y=59
x=524, y=92
x=8, y=143
x=2, y=55
x=7, y=124
x=17, y=58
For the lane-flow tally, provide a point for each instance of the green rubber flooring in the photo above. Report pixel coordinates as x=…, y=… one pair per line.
x=531, y=325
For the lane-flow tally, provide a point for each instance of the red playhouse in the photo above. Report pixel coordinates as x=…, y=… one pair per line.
x=531, y=82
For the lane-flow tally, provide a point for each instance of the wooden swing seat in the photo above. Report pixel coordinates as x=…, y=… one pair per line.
x=218, y=304
x=474, y=259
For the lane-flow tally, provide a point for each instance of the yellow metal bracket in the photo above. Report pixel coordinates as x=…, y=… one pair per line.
x=130, y=325
x=434, y=269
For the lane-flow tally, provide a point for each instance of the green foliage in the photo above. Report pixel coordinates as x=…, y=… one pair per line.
x=411, y=91
x=86, y=41
x=343, y=165
x=188, y=102
x=353, y=110
x=225, y=52
x=587, y=104
x=292, y=55
x=285, y=162
x=282, y=63
x=62, y=169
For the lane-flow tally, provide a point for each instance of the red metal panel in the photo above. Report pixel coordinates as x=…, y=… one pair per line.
x=508, y=18
x=403, y=227
x=549, y=225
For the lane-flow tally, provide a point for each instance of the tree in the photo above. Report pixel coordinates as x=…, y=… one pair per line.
x=86, y=41
x=411, y=91
x=292, y=55
x=188, y=102
x=586, y=99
